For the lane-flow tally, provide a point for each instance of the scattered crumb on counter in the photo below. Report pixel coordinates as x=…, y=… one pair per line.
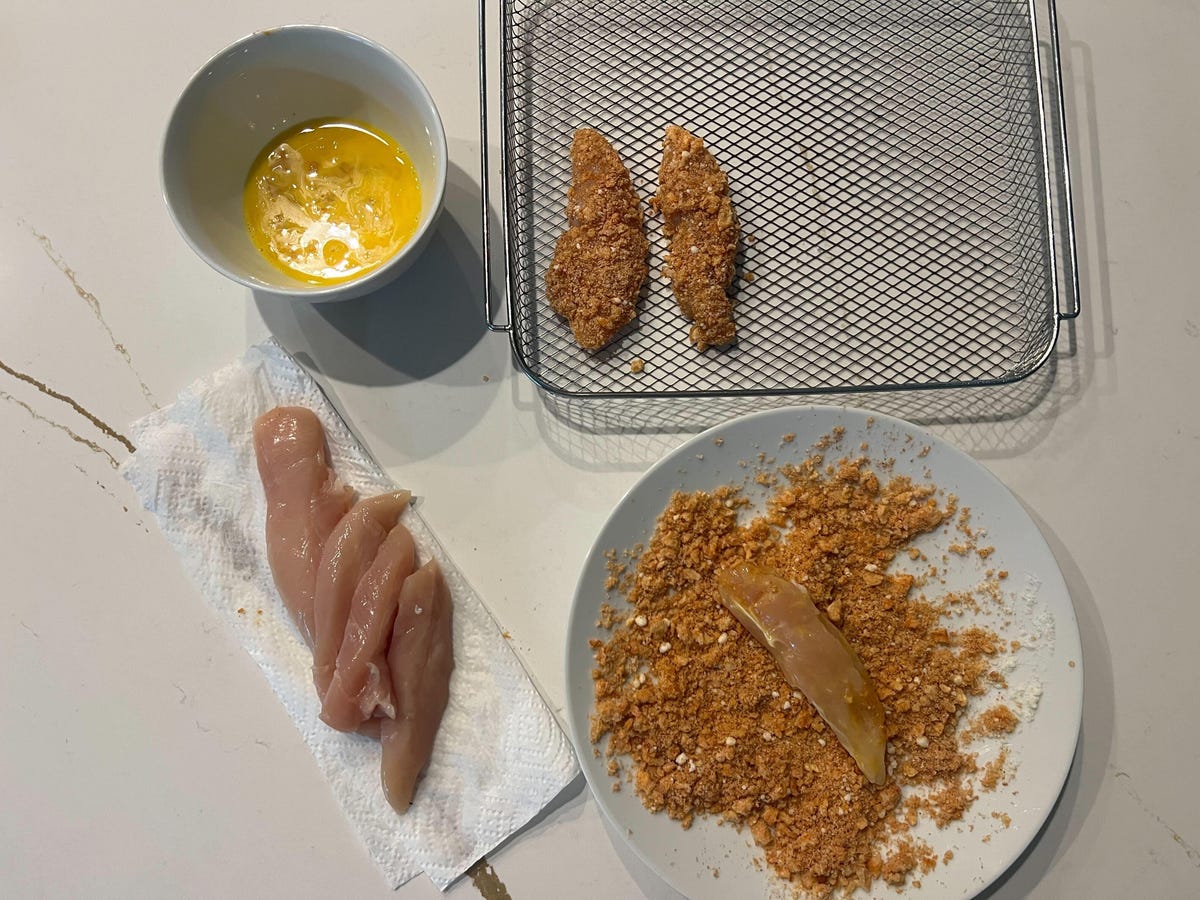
x=637, y=366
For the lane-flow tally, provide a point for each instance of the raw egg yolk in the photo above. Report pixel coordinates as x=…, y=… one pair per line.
x=331, y=199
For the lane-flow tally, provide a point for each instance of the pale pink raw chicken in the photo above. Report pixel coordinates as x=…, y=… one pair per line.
x=815, y=658
x=305, y=500
x=348, y=555
x=421, y=659
x=361, y=686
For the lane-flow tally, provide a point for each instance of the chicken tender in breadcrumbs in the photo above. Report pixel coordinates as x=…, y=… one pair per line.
x=599, y=263
x=698, y=220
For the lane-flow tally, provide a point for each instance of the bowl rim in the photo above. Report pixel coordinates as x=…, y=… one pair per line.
x=376, y=277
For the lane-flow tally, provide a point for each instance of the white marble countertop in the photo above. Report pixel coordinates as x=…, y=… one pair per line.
x=142, y=753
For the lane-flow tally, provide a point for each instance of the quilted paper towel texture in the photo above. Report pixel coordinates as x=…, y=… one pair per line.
x=500, y=756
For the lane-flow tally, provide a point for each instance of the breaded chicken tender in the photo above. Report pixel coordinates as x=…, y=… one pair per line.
x=699, y=223
x=599, y=262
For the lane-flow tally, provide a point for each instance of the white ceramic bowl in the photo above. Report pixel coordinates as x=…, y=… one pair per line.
x=264, y=84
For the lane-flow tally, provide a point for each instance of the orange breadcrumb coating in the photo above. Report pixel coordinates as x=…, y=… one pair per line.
x=698, y=220
x=599, y=262
x=703, y=720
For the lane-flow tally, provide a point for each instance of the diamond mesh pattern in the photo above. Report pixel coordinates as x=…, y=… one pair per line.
x=886, y=163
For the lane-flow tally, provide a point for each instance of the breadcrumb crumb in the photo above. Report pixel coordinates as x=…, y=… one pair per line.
x=600, y=261
x=714, y=697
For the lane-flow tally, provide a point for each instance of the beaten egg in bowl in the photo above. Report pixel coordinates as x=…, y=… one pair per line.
x=331, y=199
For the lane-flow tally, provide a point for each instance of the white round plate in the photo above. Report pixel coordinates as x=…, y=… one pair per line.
x=1039, y=751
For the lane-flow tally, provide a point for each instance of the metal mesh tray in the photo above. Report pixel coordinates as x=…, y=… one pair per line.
x=892, y=166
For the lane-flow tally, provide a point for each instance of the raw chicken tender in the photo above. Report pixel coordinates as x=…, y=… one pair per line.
x=305, y=500
x=361, y=684
x=380, y=632
x=421, y=659
x=815, y=658
x=348, y=555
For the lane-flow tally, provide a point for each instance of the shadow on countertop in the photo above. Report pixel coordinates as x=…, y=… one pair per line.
x=568, y=807
x=422, y=339
x=985, y=422
x=1094, y=749
x=999, y=422
x=415, y=328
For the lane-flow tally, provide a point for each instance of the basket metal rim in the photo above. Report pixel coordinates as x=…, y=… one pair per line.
x=1057, y=256
x=798, y=391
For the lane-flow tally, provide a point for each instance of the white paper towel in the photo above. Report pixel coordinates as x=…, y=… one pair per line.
x=500, y=756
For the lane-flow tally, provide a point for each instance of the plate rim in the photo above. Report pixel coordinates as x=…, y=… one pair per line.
x=1074, y=680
